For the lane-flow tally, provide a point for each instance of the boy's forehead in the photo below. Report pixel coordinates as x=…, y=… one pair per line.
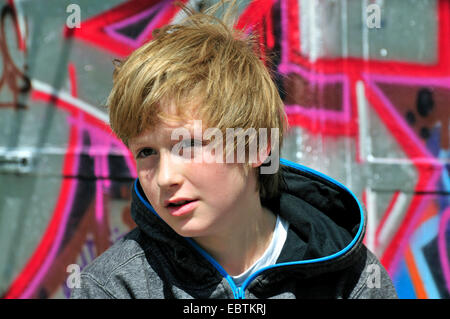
x=171, y=116
x=185, y=108
x=163, y=130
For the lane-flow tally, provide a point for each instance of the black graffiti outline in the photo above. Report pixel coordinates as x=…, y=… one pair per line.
x=11, y=73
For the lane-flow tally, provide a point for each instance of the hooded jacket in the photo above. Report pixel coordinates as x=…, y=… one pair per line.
x=323, y=256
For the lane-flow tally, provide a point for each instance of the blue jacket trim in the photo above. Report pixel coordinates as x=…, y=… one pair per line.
x=239, y=292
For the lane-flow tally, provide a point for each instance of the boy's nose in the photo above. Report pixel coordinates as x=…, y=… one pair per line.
x=168, y=172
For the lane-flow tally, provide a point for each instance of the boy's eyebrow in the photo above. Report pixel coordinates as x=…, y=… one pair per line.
x=136, y=144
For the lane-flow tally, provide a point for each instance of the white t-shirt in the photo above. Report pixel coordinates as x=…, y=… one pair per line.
x=271, y=254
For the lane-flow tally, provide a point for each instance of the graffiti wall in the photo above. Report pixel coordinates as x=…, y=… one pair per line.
x=366, y=86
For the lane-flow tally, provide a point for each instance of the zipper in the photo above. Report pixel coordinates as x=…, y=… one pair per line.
x=240, y=293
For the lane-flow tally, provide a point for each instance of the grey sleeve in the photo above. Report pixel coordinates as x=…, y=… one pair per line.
x=90, y=289
x=374, y=282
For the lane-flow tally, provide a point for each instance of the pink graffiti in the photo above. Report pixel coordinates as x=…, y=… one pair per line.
x=442, y=246
x=320, y=80
x=157, y=9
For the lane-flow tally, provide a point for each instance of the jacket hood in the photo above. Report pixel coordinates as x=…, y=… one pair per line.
x=326, y=223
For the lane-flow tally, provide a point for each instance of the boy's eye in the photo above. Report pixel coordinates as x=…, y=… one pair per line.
x=146, y=152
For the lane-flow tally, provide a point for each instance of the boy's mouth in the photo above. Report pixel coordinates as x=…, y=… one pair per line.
x=179, y=207
x=180, y=203
x=177, y=202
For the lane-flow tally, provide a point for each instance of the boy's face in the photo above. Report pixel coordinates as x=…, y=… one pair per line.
x=196, y=199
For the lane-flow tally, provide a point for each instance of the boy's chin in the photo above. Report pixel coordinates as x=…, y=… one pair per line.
x=190, y=233
x=191, y=230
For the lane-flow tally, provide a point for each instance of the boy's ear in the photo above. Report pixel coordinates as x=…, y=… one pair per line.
x=263, y=154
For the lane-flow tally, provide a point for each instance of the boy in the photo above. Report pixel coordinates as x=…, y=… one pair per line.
x=211, y=222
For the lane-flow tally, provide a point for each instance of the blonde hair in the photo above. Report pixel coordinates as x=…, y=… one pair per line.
x=202, y=61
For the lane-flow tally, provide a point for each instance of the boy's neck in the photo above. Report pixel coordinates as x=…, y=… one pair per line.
x=240, y=248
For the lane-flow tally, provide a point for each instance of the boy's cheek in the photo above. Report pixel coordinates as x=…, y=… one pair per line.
x=150, y=192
